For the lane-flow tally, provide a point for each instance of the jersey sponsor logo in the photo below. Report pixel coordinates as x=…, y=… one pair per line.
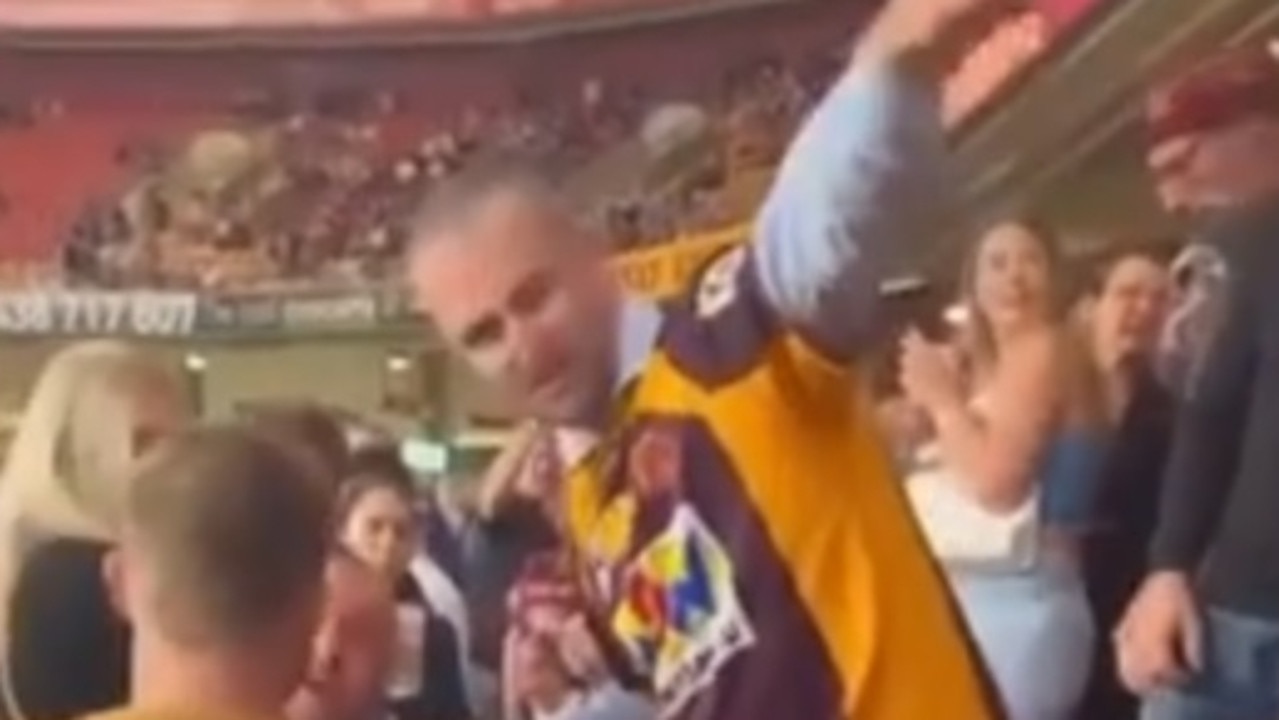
x=678, y=614
x=718, y=287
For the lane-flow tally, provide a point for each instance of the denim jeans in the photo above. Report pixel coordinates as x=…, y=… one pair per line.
x=1035, y=632
x=1240, y=678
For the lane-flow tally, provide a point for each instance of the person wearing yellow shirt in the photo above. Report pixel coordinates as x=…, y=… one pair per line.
x=735, y=520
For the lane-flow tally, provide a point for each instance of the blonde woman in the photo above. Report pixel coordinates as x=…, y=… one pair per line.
x=95, y=408
x=1018, y=445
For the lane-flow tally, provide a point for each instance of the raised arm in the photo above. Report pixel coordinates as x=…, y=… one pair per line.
x=867, y=166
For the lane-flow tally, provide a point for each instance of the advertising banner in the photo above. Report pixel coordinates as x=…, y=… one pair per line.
x=73, y=313
x=656, y=272
x=306, y=313
x=663, y=270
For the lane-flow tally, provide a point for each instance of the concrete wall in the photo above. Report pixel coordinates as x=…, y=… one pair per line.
x=354, y=375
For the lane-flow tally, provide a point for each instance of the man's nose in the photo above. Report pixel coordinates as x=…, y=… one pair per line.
x=528, y=357
x=325, y=658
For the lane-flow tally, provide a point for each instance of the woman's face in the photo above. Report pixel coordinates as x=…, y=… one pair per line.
x=1012, y=278
x=147, y=410
x=1130, y=309
x=380, y=530
x=159, y=412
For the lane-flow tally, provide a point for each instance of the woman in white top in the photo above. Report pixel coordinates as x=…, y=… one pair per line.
x=1014, y=466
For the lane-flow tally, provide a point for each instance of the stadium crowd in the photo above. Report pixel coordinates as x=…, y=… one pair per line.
x=282, y=193
x=697, y=519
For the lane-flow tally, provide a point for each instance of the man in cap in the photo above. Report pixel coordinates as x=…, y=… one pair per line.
x=737, y=522
x=1201, y=638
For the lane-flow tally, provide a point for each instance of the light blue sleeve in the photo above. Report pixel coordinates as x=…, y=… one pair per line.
x=858, y=186
x=610, y=702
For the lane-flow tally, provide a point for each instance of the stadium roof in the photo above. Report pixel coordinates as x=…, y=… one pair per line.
x=99, y=22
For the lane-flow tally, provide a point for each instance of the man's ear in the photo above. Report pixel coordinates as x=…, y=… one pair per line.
x=115, y=579
x=1086, y=309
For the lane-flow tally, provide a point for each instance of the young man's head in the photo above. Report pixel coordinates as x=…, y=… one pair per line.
x=520, y=289
x=1214, y=131
x=220, y=570
x=353, y=650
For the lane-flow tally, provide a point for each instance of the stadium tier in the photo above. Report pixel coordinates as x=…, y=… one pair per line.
x=292, y=168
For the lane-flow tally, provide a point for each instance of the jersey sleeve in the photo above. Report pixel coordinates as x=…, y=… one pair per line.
x=864, y=179
x=727, y=327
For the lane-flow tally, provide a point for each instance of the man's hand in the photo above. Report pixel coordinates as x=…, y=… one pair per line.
x=932, y=35
x=502, y=478
x=1160, y=641
x=580, y=650
x=930, y=374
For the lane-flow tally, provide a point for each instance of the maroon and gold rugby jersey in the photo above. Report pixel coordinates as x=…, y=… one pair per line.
x=746, y=542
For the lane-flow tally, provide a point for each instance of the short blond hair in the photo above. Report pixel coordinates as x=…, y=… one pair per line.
x=235, y=530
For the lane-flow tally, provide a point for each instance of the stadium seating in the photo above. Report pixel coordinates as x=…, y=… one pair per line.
x=219, y=171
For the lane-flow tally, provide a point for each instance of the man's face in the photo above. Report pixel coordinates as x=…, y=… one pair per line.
x=1214, y=168
x=528, y=301
x=352, y=652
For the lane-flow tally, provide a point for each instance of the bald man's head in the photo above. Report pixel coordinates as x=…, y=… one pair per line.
x=520, y=288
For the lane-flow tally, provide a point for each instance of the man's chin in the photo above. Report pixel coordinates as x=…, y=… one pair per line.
x=565, y=410
x=306, y=706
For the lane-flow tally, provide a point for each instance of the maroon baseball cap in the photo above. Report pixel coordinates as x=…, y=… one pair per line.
x=1227, y=87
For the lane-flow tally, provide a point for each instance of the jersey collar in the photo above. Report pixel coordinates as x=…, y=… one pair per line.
x=639, y=322
x=637, y=329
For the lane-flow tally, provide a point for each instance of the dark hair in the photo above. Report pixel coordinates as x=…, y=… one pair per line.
x=383, y=459
x=308, y=428
x=236, y=530
x=1102, y=266
x=355, y=487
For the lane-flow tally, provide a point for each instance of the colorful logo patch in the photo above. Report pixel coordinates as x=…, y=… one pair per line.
x=677, y=610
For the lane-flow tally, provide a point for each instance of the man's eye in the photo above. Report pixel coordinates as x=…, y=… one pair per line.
x=531, y=296
x=482, y=335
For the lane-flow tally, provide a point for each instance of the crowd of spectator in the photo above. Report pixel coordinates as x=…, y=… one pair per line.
x=280, y=193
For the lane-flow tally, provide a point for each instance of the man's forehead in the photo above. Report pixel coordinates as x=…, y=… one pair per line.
x=504, y=220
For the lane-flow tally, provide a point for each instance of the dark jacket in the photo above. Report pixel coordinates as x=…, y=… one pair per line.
x=1115, y=554
x=68, y=649
x=443, y=691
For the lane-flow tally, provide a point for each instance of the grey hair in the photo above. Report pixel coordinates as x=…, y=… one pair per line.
x=457, y=201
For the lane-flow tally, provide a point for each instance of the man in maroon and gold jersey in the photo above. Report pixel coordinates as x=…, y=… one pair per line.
x=746, y=546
